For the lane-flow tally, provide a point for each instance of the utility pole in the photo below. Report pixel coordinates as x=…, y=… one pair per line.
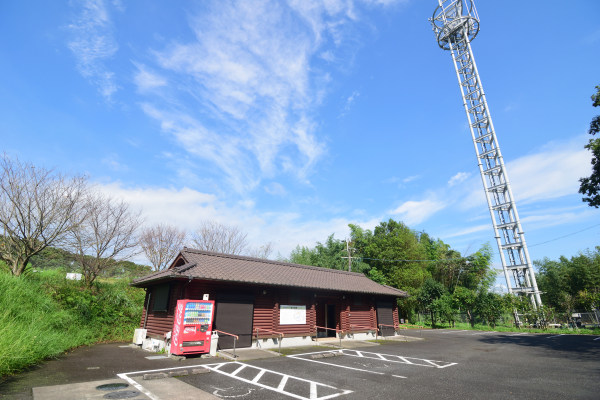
x=349, y=251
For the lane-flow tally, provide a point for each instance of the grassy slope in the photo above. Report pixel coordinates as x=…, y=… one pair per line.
x=43, y=315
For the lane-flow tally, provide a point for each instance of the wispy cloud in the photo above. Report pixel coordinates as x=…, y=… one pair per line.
x=458, y=178
x=93, y=43
x=250, y=85
x=147, y=80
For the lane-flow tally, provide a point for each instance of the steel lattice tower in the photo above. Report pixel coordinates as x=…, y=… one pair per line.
x=456, y=23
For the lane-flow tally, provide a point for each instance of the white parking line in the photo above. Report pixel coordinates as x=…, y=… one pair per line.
x=550, y=337
x=598, y=338
x=297, y=357
x=422, y=362
x=285, y=379
x=313, y=386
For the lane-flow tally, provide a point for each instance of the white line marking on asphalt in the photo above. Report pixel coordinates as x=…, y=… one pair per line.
x=337, y=365
x=598, y=338
x=397, y=359
x=137, y=386
x=550, y=337
x=257, y=377
x=313, y=386
x=282, y=382
x=399, y=376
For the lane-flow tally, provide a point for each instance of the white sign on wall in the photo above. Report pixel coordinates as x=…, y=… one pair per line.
x=292, y=315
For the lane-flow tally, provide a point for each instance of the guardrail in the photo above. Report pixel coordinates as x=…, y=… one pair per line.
x=331, y=329
x=281, y=335
x=235, y=339
x=370, y=328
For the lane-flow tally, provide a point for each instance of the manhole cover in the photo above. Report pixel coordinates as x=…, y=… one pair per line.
x=123, y=394
x=112, y=386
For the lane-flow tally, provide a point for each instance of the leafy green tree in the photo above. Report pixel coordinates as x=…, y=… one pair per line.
x=391, y=249
x=568, y=284
x=489, y=306
x=465, y=299
x=445, y=308
x=429, y=293
x=590, y=186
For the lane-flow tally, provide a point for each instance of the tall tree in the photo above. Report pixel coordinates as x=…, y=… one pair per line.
x=220, y=238
x=590, y=186
x=161, y=243
x=37, y=209
x=105, y=236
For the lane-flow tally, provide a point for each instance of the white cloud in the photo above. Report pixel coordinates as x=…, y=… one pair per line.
x=415, y=212
x=146, y=80
x=92, y=44
x=275, y=189
x=186, y=207
x=551, y=173
x=249, y=74
x=458, y=178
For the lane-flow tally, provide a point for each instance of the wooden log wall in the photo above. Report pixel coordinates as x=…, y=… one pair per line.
x=350, y=309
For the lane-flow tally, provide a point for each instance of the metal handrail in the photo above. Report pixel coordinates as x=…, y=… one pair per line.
x=331, y=329
x=371, y=328
x=281, y=335
x=235, y=339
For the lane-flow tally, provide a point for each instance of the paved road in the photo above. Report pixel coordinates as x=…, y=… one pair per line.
x=447, y=363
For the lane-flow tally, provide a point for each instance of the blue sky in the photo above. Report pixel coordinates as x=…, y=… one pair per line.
x=293, y=119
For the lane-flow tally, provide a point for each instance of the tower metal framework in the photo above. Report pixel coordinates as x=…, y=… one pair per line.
x=455, y=24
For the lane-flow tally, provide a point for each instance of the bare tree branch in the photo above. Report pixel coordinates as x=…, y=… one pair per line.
x=161, y=243
x=220, y=238
x=105, y=236
x=36, y=210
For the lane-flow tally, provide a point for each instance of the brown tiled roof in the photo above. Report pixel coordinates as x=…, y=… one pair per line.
x=223, y=267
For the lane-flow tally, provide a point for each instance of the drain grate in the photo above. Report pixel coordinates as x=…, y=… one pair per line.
x=112, y=386
x=123, y=394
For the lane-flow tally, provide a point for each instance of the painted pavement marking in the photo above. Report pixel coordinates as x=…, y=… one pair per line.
x=598, y=338
x=398, y=359
x=550, y=337
x=313, y=386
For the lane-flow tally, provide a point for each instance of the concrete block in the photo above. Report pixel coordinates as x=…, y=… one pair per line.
x=157, y=375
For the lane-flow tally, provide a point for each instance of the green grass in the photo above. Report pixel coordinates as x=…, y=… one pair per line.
x=43, y=315
x=502, y=328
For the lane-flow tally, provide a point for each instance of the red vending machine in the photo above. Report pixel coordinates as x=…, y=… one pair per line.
x=192, y=327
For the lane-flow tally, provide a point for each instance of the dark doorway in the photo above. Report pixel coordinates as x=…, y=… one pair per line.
x=234, y=315
x=385, y=316
x=331, y=320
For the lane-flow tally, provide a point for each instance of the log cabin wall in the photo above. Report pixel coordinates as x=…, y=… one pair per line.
x=350, y=309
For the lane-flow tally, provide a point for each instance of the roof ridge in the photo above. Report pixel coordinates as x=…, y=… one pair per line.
x=264, y=260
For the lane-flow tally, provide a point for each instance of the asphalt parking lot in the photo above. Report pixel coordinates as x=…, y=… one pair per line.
x=452, y=364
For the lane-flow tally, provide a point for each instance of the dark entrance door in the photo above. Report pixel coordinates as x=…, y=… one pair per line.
x=234, y=315
x=385, y=317
x=331, y=320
